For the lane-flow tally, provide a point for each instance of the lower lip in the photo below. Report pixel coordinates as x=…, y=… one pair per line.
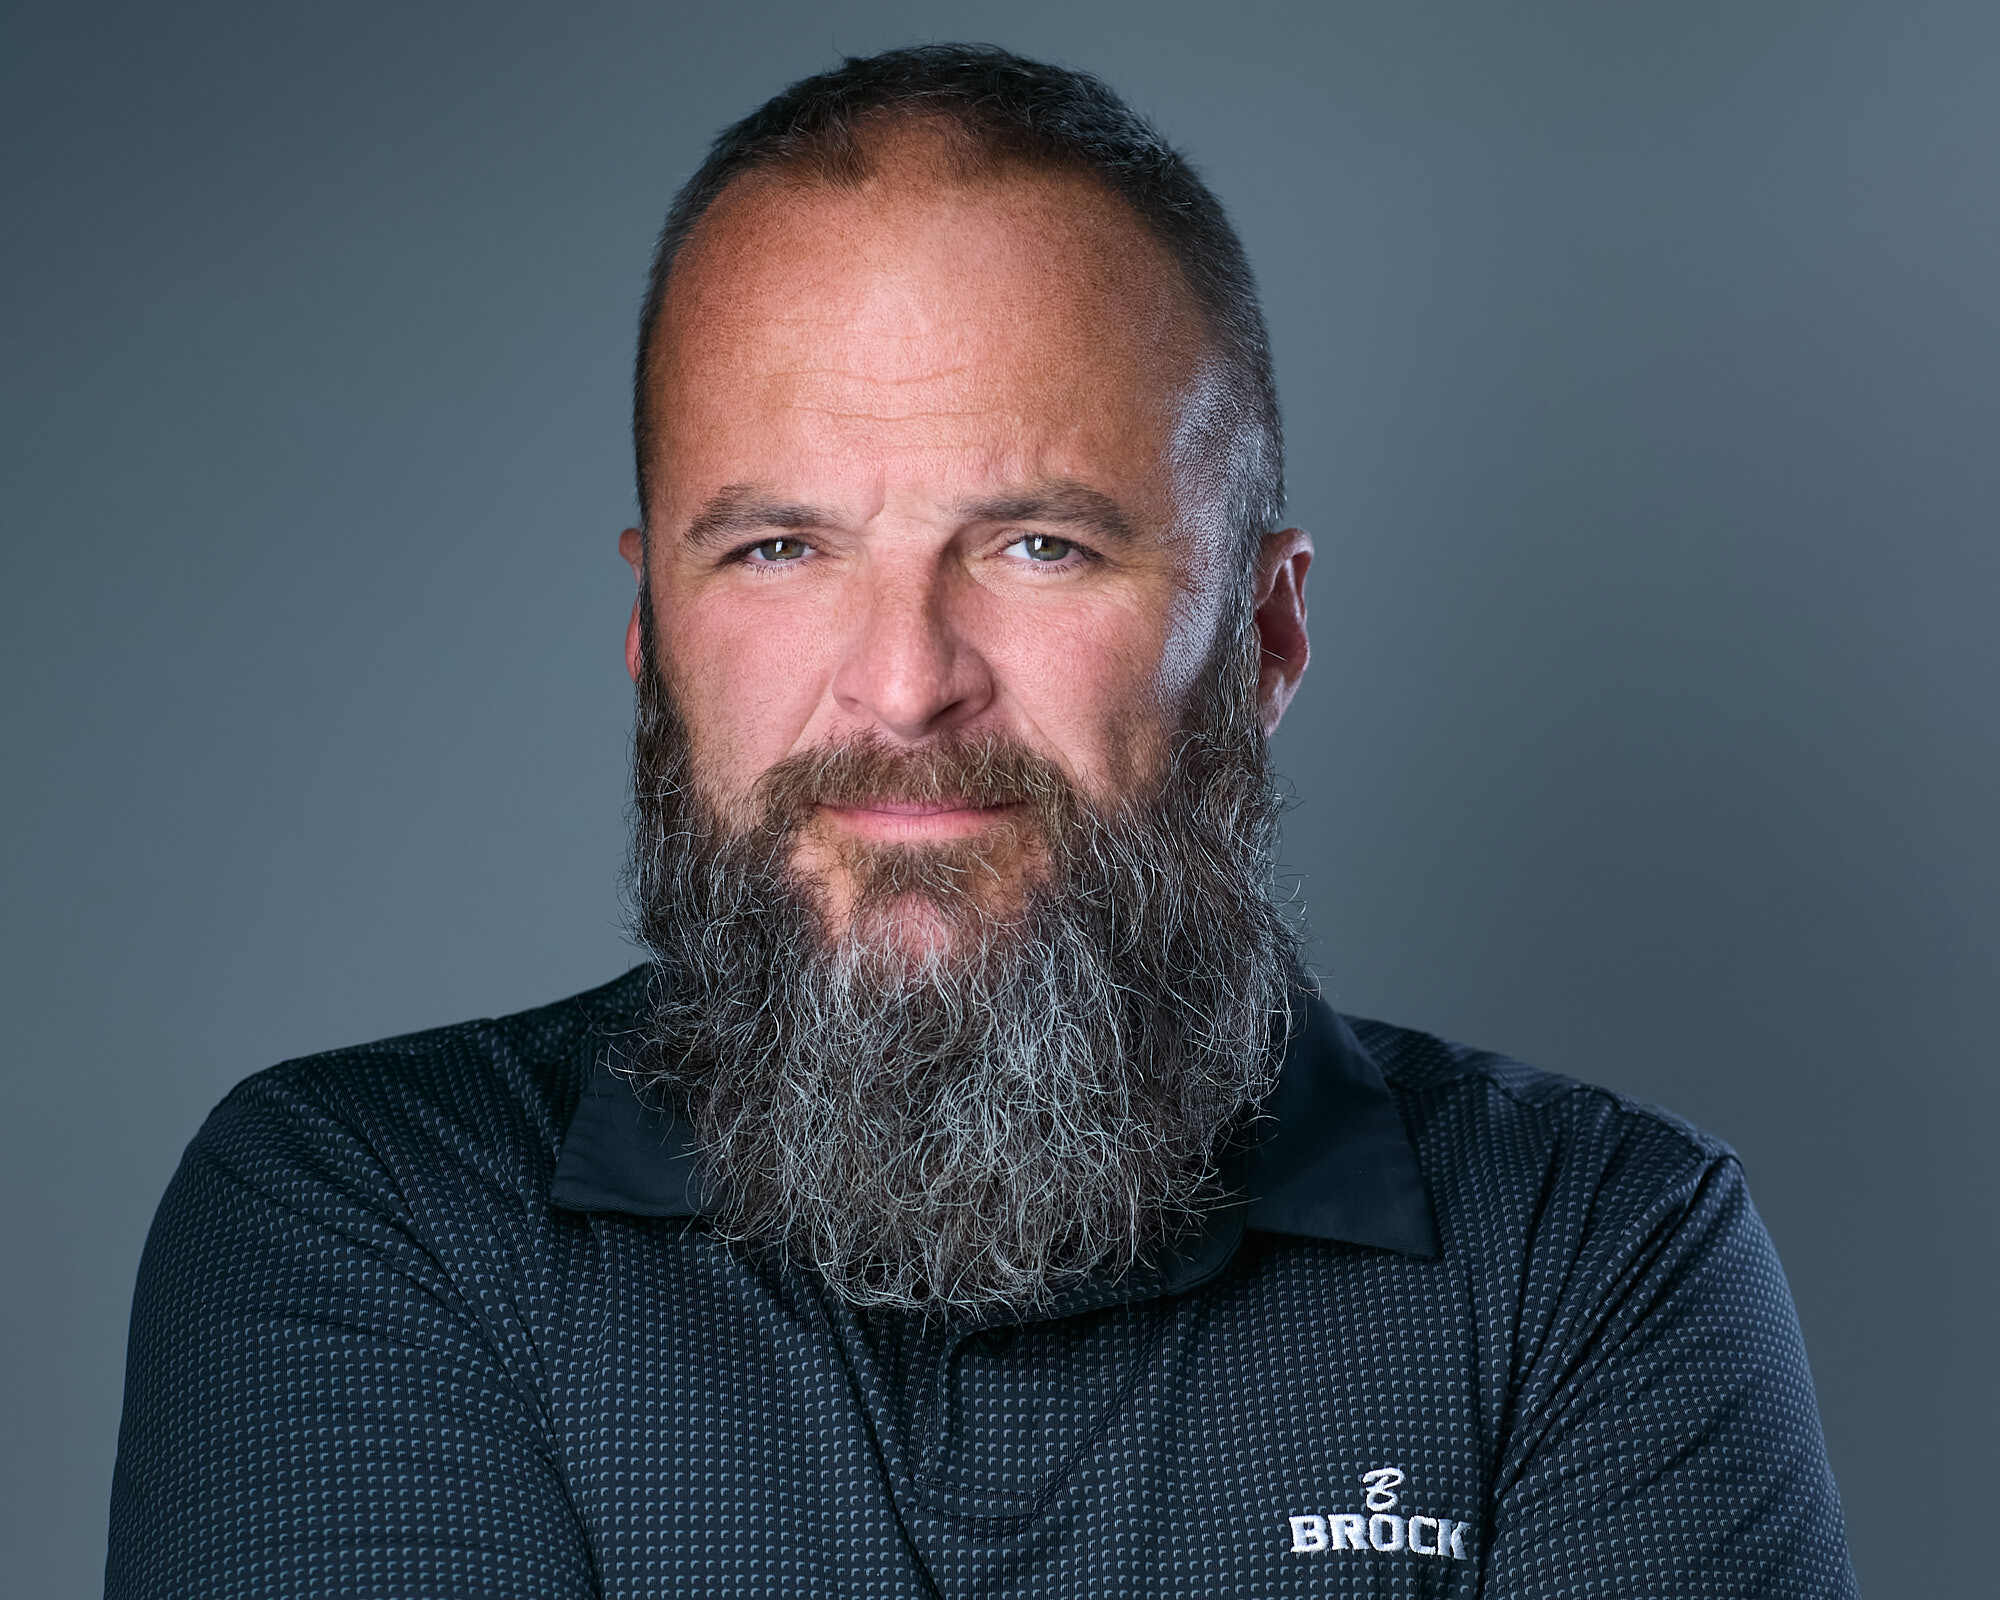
x=915, y=823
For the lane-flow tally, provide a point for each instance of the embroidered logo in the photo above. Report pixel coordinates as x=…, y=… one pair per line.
x=1382, y=1526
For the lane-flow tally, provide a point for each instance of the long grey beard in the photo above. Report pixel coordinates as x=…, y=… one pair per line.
x=973, y=1126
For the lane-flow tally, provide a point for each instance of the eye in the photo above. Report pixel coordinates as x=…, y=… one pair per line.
x=774, y=552
x=1046, y=550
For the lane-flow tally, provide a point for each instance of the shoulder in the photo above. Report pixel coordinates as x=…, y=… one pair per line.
x=486, y=1099
x=1524, y=1164
x=1503, y=1103
x=1647, y=1373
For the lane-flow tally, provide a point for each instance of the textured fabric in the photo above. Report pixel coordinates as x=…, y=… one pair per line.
x=435, y=1317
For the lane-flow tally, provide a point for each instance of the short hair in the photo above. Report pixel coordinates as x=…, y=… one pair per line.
x=1007, y=109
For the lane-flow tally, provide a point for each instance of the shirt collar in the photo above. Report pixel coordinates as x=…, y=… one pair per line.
x=1330, y=1159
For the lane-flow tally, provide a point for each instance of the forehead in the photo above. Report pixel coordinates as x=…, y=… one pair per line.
x=961, y=323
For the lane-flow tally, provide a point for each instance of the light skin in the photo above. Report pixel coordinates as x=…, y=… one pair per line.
x=935, y=459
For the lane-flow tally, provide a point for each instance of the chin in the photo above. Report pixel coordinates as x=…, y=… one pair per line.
x=865, y=903
x=910, y=929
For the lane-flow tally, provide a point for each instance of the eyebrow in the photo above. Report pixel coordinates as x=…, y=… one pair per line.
x=740, y=508
x=1062, y=502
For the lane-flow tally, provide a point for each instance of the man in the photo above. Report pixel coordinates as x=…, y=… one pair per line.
x=971, y=1194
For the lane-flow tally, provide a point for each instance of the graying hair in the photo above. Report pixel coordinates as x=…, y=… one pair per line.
x=978, y=1126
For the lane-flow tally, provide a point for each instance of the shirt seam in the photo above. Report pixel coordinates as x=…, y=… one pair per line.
x=1705, y=1146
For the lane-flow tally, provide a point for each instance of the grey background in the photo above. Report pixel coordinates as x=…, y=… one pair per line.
x=1640, y=368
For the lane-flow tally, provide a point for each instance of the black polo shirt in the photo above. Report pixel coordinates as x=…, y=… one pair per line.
x=439, y=1317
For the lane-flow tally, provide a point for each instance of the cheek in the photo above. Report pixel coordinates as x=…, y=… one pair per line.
x=1186, y=648
x=746, y=683
x=1099, y=690
x=1157, y=667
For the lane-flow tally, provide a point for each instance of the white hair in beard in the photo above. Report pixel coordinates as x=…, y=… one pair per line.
x=979, y=1123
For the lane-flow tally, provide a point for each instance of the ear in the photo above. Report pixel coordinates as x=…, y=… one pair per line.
x=1281, y=621
x=632, y=546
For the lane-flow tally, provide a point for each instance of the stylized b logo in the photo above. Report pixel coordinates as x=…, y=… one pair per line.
x=1381, y=1486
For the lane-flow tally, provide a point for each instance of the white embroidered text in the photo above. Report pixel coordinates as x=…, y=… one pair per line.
x=1382, y=1526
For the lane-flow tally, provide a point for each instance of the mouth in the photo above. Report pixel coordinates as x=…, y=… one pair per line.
x=896, y=819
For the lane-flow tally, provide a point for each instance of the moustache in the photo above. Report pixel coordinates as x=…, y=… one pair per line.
x=974, y=772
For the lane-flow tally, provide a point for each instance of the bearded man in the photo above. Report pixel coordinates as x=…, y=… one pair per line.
x=971, y=1193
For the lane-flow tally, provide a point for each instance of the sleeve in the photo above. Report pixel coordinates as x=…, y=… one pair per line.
x=1666, y=1444
x=312, y=1407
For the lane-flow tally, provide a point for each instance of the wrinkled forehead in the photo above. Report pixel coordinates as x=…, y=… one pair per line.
x=939, y=306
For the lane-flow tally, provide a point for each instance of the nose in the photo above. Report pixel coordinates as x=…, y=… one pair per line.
x=908, y=667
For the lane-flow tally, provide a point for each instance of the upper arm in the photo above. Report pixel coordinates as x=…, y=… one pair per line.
x=1666, y=1442
x=311, y=1404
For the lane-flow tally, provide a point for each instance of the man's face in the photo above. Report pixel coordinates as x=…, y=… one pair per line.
x=954, y=826
x=930, y=474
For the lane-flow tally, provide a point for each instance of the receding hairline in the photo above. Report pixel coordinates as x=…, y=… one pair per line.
x=918, y=147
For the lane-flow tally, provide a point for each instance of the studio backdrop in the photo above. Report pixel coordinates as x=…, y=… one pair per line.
x=1641, y=371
